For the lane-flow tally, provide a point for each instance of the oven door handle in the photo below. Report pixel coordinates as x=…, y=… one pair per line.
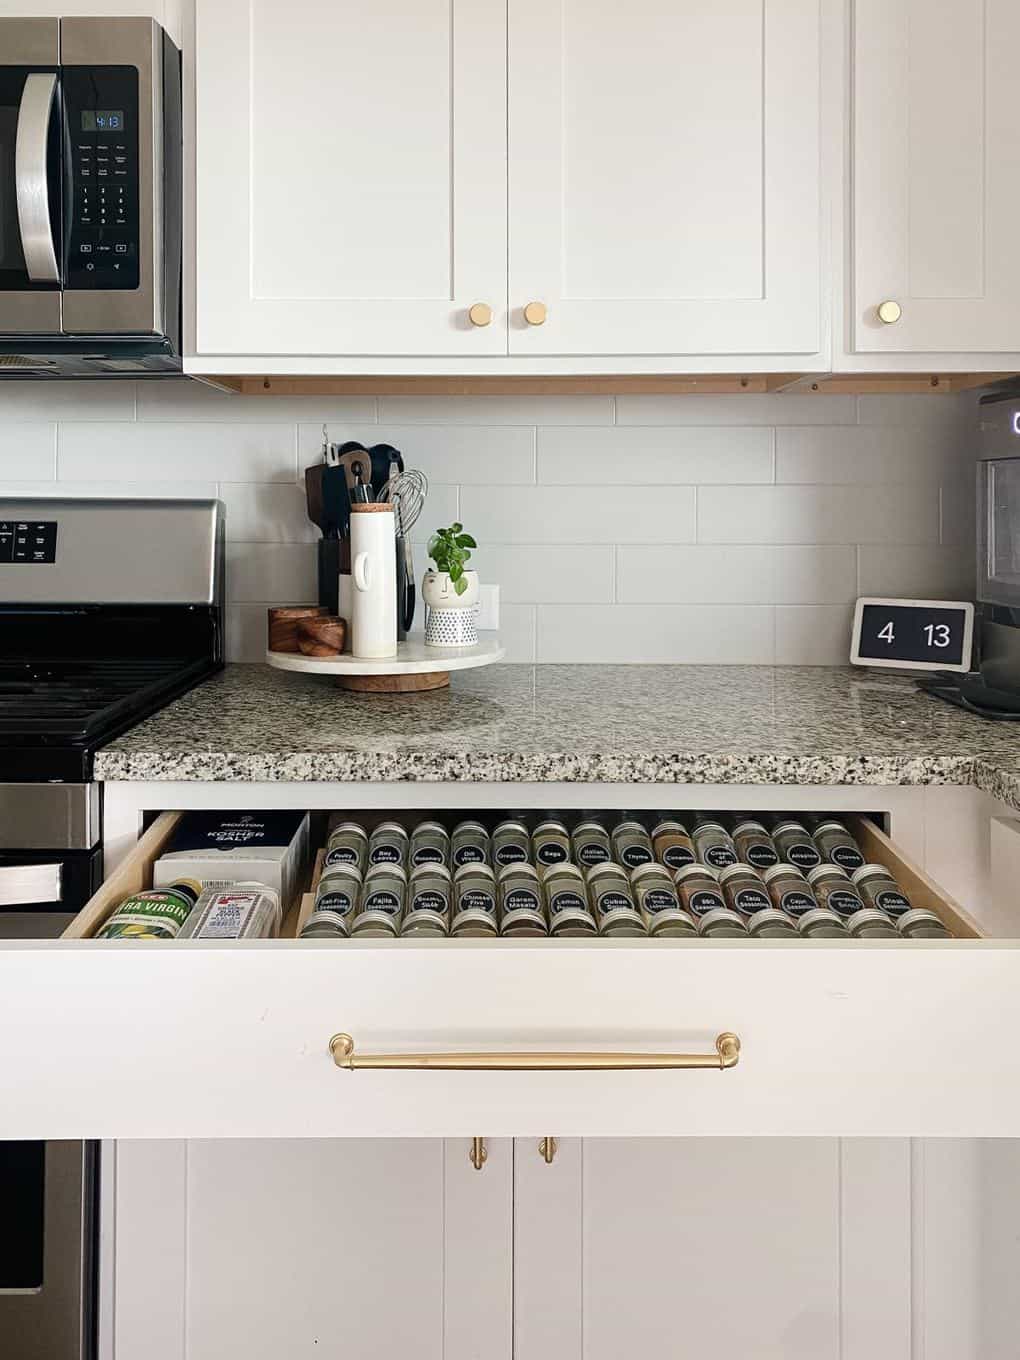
x=31, y=176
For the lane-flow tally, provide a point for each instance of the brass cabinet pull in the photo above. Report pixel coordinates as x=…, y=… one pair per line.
x=727, y=1054
x=479, y=1153
x=547, y=1150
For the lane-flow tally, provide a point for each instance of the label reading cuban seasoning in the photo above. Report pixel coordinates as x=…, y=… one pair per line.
x=477, y=900
x=847, y=857
x=468, y=854
x=566, y=900
x=551, y=852
x=341, y=854
x=677, y=856
x=340, y=902
x=427, y=854
x=382, y=900
x=843, y=903
x=429, y=901
x=718, y=856
x=614, y=901
x=521, y=899
x=510, y=854
x=750, y=900
x=704, y=900
x=762, y=856
x=892, y=902
x=633, y=855
x=803, y=855
x=659, y=899
x=386, y=853
x=593, y=853
x=796, y=903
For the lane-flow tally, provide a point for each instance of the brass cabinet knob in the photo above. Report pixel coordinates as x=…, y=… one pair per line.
x=480, y=314
x=535, y=313
x=889, y=312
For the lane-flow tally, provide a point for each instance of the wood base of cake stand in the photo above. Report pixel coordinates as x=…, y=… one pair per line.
x=395, y=684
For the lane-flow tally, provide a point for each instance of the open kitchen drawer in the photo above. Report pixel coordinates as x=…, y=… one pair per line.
x=205, y=1039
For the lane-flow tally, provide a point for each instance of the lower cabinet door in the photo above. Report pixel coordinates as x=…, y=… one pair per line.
x=259, y=1250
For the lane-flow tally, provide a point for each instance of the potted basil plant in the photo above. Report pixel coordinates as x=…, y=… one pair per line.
x=450, y=590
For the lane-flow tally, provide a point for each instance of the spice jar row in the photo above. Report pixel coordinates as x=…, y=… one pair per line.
x=562, y=899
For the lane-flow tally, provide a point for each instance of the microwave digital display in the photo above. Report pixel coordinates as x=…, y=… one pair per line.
x=102, y=120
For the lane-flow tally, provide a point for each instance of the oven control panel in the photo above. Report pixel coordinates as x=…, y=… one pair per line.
x=101, y=117
x=28, y=540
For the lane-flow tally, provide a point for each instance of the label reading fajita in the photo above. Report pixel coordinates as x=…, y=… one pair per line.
x=477, y=900
x=677, y=856
x=750, y=900
x=566, y=901
x=521, y=899
x=892, y=902
x=381, y=900
x=803, y=855
x=659, y=899
x=847, y=857
x=551, y=852
x=340, y=902
x=633, y=855
x=843, y=903
x=719, y=856
x=592, y=853
x=704, y=900
x=510, y=854
x=429, y=901
x=761, y=856
x=468, y=854
x=796, y=903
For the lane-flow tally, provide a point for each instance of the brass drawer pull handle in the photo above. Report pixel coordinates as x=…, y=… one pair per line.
x=479, y=1153
x=547, y=1150
x=727, y=1054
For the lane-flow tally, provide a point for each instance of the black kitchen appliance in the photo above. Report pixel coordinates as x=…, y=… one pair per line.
x=108, y=610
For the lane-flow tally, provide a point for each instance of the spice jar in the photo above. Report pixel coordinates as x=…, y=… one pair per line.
x=520, y=901
x=590, y=840
x=550, y=842
x=743, y=889
x=697, y=887
x=754, y=845
x=347, y=844
x=672, y=925
x=428, y=901
x=632, y=844
x=567, y=900
x=612, y=901
x=921, y=924
x=672, y=844
x=789, y=889
x=820, y=924
x=833, y=890
x=837, y=846
x=338, y=889
x=474, y=894
x=430, y=844
x=469, y=844
x=325, y=925
x=722, y=924
x=794, y=845
x=713, y=845
x=656, y=897
x=879, y=889
x=871, y=924
x=769, y=924
x=382, y=901
x=388, y=845
x=511, y=843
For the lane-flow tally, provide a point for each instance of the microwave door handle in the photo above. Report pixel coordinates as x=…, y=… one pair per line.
x=31, y=177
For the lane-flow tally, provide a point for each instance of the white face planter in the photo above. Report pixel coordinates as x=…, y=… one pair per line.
x=452, y=618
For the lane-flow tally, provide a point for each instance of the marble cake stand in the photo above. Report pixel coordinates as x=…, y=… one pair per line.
x=414, y=668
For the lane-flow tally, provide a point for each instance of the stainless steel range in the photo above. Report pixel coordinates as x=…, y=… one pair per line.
x=108, y=610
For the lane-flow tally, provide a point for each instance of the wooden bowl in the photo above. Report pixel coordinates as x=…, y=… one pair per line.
x=283, y=625
x=325, y=636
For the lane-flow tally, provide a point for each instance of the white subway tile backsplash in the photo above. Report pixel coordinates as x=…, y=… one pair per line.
x=579, y=514
x=755, y=574
x=48, y=401
x=703, y=633
x=848, y=455
x=818, y=514
x=458, y=454
x=584, y=410
x=157, y=451
x=919, y=573
x=28, y=452
x=813, y=635
x=938, y=411
x=187, y=400
x=626, y=456
x=266, y=573
x=540, y=573
x=267, y=513
x=752, y=409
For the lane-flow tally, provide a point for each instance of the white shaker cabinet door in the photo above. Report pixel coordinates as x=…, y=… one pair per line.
x=350, y=176
x=664, y=177
x=936, y=188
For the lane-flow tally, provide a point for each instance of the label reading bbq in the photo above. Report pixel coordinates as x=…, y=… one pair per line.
x=429, y=901
x=340, y=902
x=705, y=900
x=892, y=902
x=659, y=899
x=677, y=856
x=468, y=854
x=521, y=899
x=477, y=900
x=750, y=900
x=762, y=856
x=567, y=901
x=386, y=853
x=844, y=903
x=551, y=852
x=719, y=856
x=341, y=854
x=803, y=855
x=633, y=855
x=428, y=854
x=796, y=903
x=510, y=854
x=846, y=857
x=382, y=900
x=614, y=901
x=592, y=852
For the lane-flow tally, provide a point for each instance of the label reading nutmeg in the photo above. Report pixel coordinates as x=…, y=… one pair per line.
x=659, y=899
x=677, y=856
x=843, y=903
x=468, y=854
x=429, y=901
x=719, y=856
x=846, y=857
x=382, y=900
x=510, y=854
x=475, y=899
x=892, y=902
x=750, y=900
x=591, y=852
x=633, y=855
x=339, y=902
x=796, y=903
x=704, y=900
x=761, y=855
x=567, y=900
x=803, y=855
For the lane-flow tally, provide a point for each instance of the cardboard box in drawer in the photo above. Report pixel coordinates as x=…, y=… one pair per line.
x=220, y=848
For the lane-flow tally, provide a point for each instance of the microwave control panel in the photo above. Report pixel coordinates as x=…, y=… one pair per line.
x=101, y=118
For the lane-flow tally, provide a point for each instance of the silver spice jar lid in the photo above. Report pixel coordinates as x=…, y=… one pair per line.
x=775, y=870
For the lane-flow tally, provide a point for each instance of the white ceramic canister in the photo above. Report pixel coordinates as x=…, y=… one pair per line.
x=374, y=580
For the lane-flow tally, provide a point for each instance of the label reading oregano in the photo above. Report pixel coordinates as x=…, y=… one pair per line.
x=510, y=854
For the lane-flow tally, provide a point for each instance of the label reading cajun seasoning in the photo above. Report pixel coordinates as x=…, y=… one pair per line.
x=796, y=903
x=803, y=855
x=846, y=857
x=566, y=900
x=844, y=903
x=340, y=902
x=382, y=900
x=750, y=900
x=892, y=902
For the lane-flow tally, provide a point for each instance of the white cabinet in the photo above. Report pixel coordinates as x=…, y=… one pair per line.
x=350, y=176
x=664, y=176
x=936, y=194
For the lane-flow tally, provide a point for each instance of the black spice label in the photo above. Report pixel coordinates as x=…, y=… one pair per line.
x=614, y=901
x=429, y=901
x=677, y=856
x=521, y=899
x=510, y=854
x=633, y=855
x=567, y=900
x=382, y=900
x=719, y=856
x=551, y=852
x=468, y=854
x=796, y=903
x=892, y=902
x=477, y=900
x=704, y=900
x=593, y=853
x=761, y=856
x=750, y=900
x=843, y=903
x=846, y=857
x=803, y=855
x=386, y=853
x=340, y=902
x=659, y=899
x=428, y=854
x=341, y=854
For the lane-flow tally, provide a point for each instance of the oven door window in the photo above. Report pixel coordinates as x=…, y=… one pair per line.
x=22, y=1212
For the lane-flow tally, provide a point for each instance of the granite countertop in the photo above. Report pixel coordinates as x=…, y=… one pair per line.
x=609, y=724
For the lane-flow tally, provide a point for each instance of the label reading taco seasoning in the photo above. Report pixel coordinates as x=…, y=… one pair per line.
x=750, y=900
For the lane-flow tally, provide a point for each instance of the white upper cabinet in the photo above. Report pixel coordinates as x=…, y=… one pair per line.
x=936, y=188
x=350, y=176
x=664, y=177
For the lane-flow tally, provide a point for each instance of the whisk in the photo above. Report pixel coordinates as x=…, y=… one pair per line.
x=406, y=491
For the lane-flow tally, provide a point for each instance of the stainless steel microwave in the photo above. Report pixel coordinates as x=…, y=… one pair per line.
x=998, y=501
x=90, y=198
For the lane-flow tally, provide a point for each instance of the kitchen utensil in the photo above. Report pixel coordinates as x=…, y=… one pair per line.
x=383, y=457
x=406, y=492
x=283, y=625
x=374, y=577
x=322, y=636
x=336, y=502
x=361, y=493
x=314, y=495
